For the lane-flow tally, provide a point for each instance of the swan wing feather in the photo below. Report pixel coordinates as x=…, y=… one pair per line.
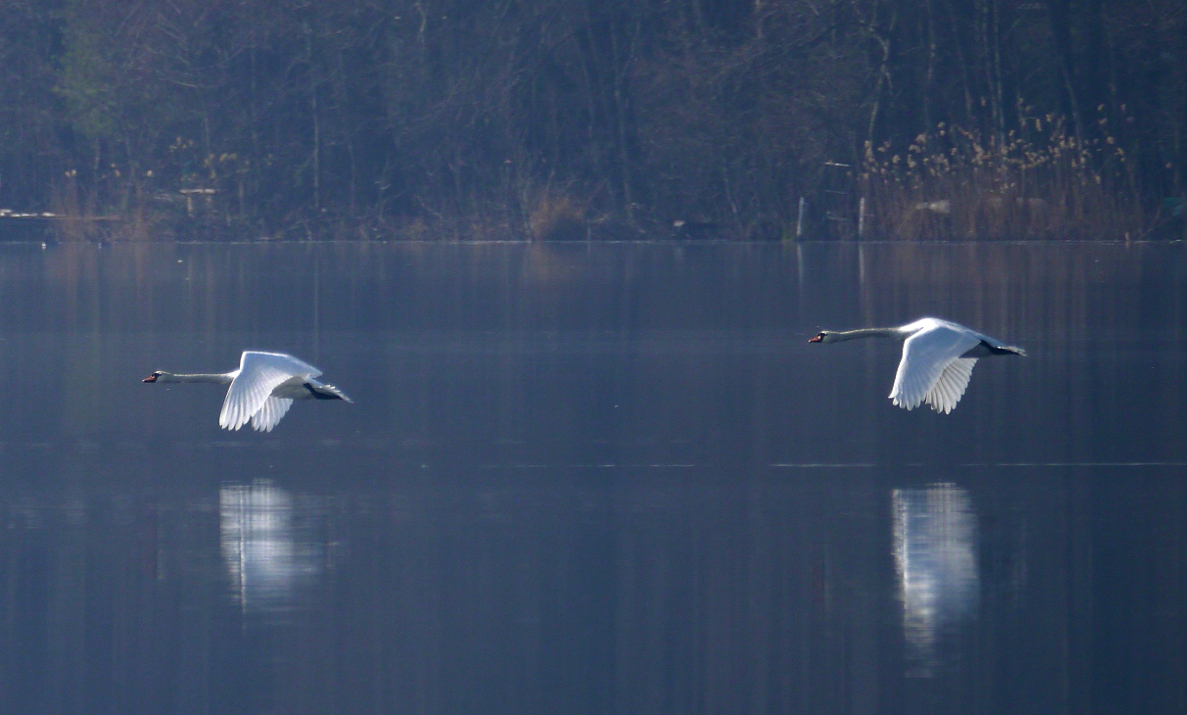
x=951, y=385
x=259, y=374
x=269, y=415
x=926, y=372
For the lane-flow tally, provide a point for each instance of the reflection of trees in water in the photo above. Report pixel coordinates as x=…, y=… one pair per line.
x=271, y=543
x=935, y=554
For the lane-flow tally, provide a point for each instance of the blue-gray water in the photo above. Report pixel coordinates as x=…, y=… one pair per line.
x=592, y=479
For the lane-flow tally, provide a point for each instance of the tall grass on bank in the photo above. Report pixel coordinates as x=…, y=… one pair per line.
x=1040, y=182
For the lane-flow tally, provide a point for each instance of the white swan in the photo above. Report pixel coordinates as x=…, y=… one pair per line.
x=262, y=389
x=938, y=359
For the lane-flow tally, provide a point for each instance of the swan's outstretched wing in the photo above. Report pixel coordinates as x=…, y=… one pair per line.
x=932, y=369
x=259, y=374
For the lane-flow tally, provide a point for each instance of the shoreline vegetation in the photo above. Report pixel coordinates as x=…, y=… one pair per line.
x=567, y=120
x=1036, y=182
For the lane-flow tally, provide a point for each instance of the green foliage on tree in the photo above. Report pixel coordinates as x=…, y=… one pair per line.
x=86, y=82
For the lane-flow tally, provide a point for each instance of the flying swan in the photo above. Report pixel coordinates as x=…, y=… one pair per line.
x=262, y=389
x=938, y=359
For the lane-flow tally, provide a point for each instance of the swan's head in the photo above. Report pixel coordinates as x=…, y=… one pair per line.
x=822, y=337
x=153, y=377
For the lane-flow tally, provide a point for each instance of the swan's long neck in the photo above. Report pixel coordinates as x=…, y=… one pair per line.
x=839, y=336
x=219, y=378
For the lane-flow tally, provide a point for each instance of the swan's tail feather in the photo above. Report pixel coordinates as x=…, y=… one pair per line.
x=1004, y=349
x=322, y=391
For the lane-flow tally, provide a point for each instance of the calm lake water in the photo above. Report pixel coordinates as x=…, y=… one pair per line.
x=592, y=479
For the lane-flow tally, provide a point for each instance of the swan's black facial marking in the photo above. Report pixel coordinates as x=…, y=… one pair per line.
x=818, y=339
x=153, y=377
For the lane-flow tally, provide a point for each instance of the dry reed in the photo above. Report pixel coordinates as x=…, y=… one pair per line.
x=1039, y=182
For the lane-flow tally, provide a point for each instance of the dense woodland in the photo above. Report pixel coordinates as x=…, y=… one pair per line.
x=575, y=118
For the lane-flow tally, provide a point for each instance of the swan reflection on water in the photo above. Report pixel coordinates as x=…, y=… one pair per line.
x=935, y=555
x=271, y=547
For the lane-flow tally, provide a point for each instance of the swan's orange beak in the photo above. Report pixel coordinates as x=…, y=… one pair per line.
x=816, y=339
x=150, y=378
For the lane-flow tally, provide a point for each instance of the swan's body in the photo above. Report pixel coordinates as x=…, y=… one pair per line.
x=938, y=359
x=263, y=388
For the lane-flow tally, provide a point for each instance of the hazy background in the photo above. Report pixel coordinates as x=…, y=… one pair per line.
x=558, y=118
